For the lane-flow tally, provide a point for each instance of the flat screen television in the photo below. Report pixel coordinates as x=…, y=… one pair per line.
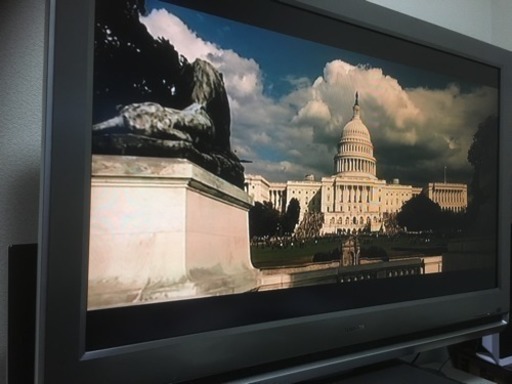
x=266, y=191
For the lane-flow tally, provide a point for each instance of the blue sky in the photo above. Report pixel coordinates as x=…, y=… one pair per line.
x=266, y=48
x=290, y=98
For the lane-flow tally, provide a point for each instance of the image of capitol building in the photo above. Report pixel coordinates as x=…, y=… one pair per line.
x=353, y=199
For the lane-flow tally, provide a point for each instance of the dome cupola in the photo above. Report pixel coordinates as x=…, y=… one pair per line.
x=355, y=148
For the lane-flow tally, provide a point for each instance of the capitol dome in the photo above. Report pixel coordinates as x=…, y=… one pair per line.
x=355, y=148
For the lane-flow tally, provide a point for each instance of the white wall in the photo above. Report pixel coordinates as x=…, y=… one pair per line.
x=21, y=79
x=487, y=20
x=501, y=25
x=476, y=21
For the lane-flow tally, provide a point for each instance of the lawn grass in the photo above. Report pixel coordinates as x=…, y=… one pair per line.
x=290, y=256
x=269, y=257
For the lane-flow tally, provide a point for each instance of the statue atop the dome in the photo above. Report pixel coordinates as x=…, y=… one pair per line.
x=356, y=108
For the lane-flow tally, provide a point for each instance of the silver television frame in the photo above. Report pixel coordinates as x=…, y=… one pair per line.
x=61, y=354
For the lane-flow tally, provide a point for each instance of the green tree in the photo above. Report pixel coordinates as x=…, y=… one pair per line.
x=263, y=219
x=419, y=214
x=453, y=221
x=483, y=156
x=291, y=217
x=130, y=66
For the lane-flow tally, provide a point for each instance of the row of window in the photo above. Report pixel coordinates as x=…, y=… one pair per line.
x=354, y=220
x=355, y=148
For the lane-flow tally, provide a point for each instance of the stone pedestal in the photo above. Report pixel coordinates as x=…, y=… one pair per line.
x=165, y=229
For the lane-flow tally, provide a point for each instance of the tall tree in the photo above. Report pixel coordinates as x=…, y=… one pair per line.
x=483, y=156
x=420, y=213
x=291, y=217
x=263, y=219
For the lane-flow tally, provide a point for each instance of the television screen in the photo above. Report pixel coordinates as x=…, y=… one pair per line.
x=232, y=176
x=230, y=158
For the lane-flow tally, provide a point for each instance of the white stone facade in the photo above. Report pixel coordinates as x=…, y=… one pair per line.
x=451, y=197
x=353, y=199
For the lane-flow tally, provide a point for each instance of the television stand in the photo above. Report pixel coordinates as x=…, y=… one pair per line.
x=398, y=373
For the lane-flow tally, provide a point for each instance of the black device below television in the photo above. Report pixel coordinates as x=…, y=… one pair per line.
x=178, y=101
x=21, y=312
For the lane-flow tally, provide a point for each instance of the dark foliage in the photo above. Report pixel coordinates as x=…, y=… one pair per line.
x=420, y=214
x=130, y=66
x=452, y=221
x=483, y=155
x=263, y=219
x=334, y=255
x=291, y=217
x=374, y=252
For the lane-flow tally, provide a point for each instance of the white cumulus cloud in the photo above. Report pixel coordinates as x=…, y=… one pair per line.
x=297, y=134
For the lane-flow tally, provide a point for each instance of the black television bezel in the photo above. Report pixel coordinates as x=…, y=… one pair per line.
x=62, y=355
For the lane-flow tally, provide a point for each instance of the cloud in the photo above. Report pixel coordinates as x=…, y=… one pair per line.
x=315, y=113
x=381, y=95
x=242, y=76
x=451, y=119
x=415, y=132
x=161, y=23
